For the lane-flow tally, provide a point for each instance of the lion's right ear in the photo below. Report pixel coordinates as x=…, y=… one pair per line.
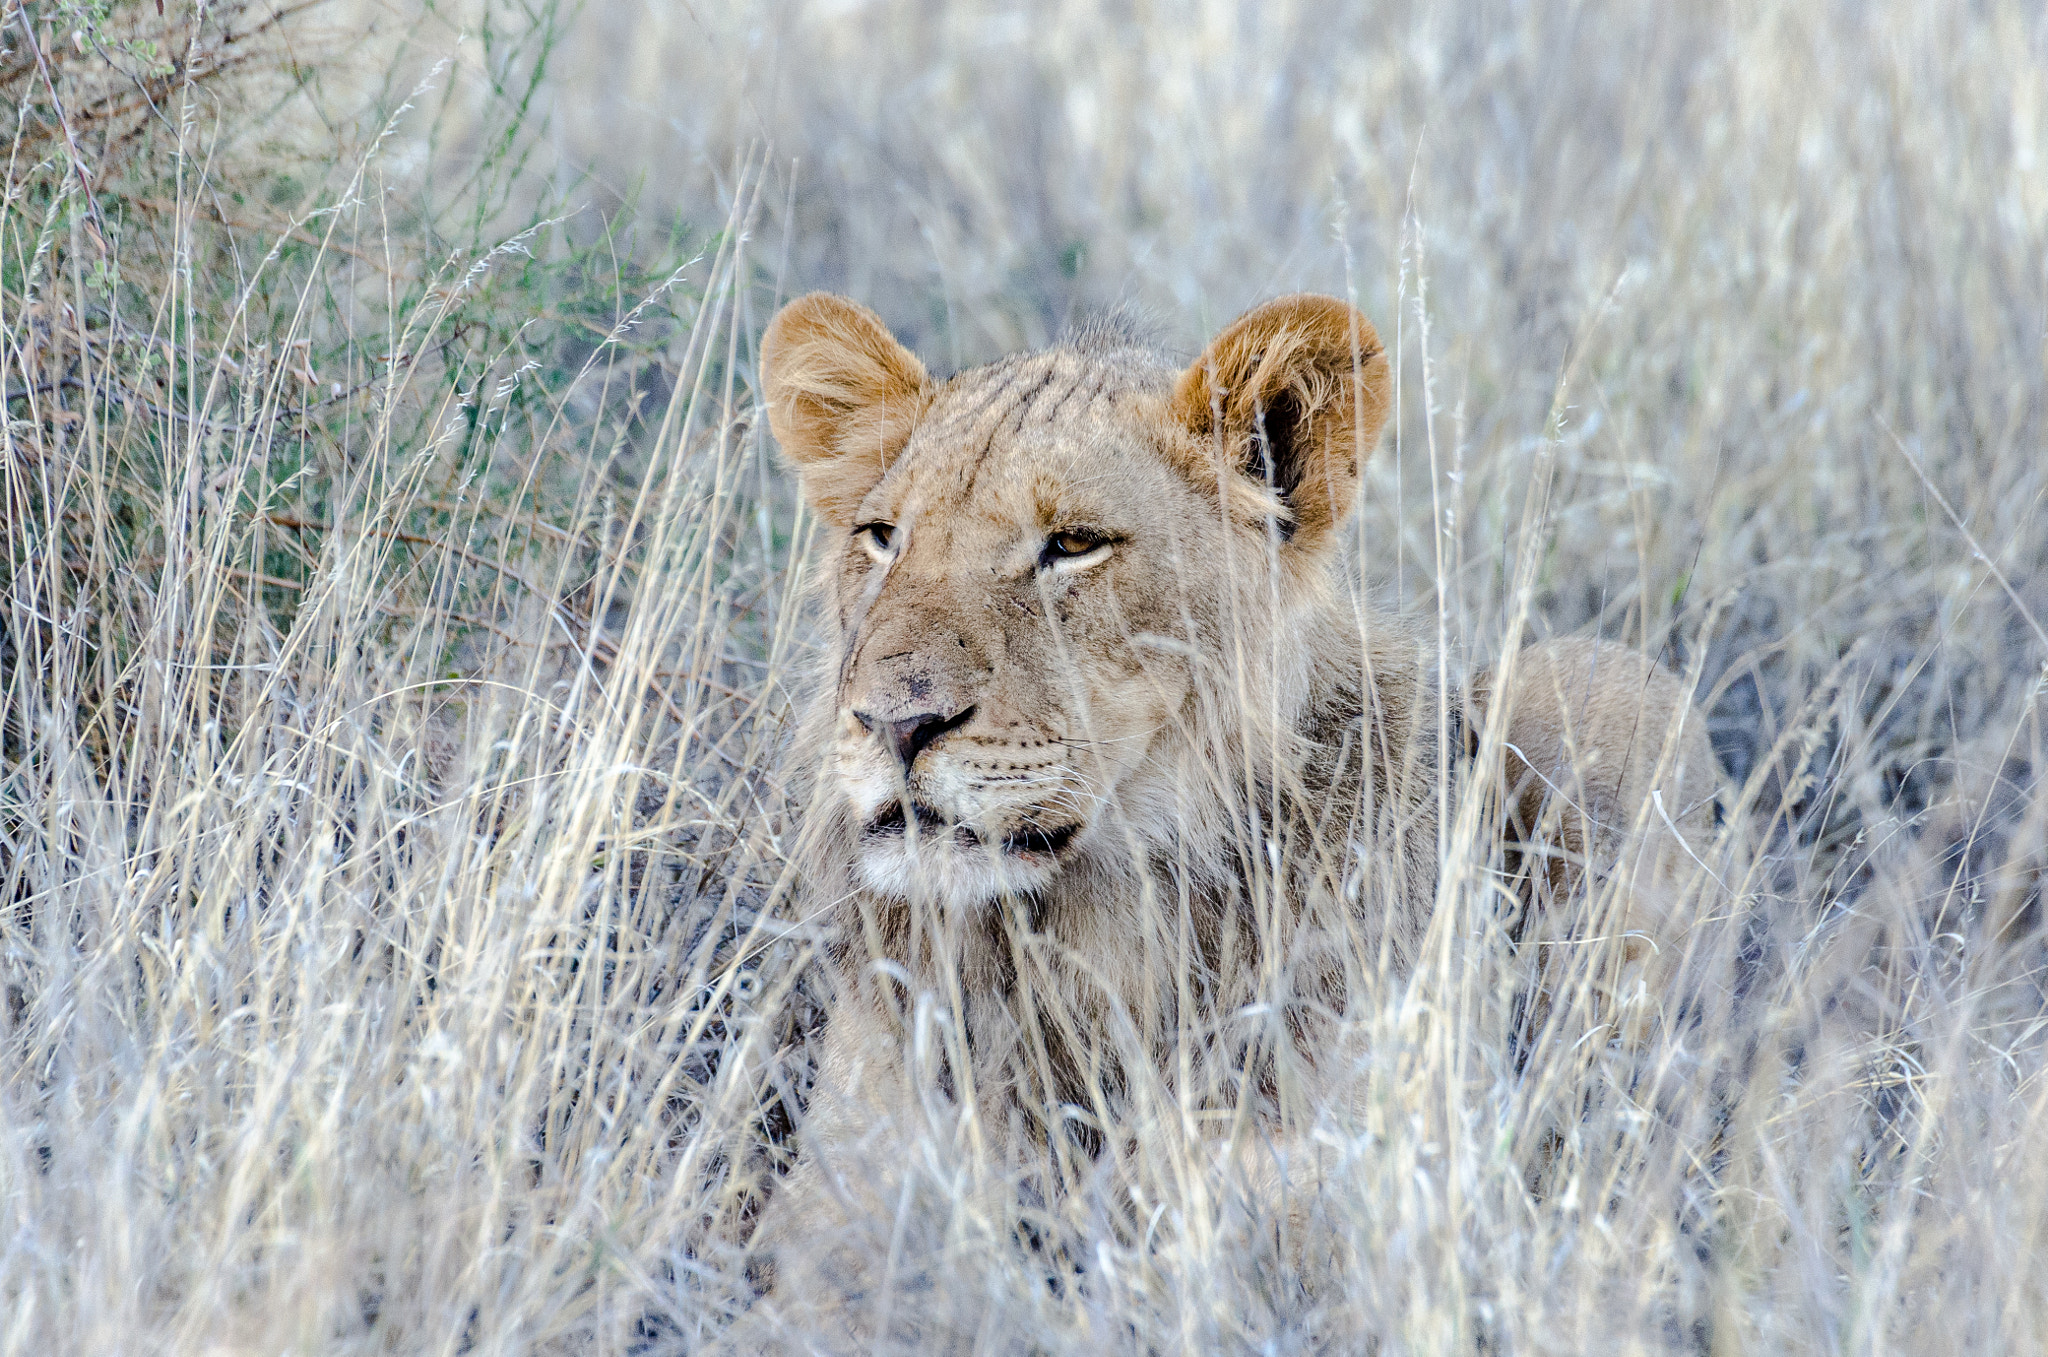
x=842, y=396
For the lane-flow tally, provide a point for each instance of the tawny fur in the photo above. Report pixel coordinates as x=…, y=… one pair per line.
x=1178, y=805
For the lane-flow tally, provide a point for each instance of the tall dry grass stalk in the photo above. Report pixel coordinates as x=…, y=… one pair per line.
x=398, y=953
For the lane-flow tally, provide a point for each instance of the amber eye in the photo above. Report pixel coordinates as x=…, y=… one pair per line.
x=876, y=537
x=1067, y=545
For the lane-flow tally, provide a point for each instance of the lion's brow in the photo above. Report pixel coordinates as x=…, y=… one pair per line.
x=1080, y=481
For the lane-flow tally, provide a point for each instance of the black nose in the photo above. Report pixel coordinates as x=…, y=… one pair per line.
x=910, y=736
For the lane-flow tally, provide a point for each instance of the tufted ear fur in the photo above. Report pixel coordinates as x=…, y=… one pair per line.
x=1293, y=394
x=842, y=396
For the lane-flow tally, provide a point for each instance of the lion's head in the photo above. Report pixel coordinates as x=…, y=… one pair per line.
x=1050, y=572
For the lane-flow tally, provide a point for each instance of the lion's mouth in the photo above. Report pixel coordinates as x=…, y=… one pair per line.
x=1030, y=839
x=889, y=820
x=1024, y=841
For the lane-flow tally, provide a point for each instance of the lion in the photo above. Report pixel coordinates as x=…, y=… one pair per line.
x=1111, y=799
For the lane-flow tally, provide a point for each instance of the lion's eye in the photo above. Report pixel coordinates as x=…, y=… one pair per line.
x=1072, y=545
x=876, y=537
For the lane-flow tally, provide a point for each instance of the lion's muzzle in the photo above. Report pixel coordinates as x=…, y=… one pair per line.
x=942, y=812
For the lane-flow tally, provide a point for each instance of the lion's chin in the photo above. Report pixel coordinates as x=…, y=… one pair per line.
x=948, y=873
x=953, y=865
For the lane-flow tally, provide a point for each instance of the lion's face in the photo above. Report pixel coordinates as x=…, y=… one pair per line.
x=1039, y=564
x=1003, y=593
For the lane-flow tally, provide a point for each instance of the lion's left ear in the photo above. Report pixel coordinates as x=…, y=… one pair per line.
x=1293, y=395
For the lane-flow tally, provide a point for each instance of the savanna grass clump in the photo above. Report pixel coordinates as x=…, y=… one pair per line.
x=341, y=538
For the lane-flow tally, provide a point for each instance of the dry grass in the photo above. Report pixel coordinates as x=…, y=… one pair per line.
x=398, y=953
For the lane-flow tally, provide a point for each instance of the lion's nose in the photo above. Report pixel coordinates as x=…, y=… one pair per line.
x=911, y=735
